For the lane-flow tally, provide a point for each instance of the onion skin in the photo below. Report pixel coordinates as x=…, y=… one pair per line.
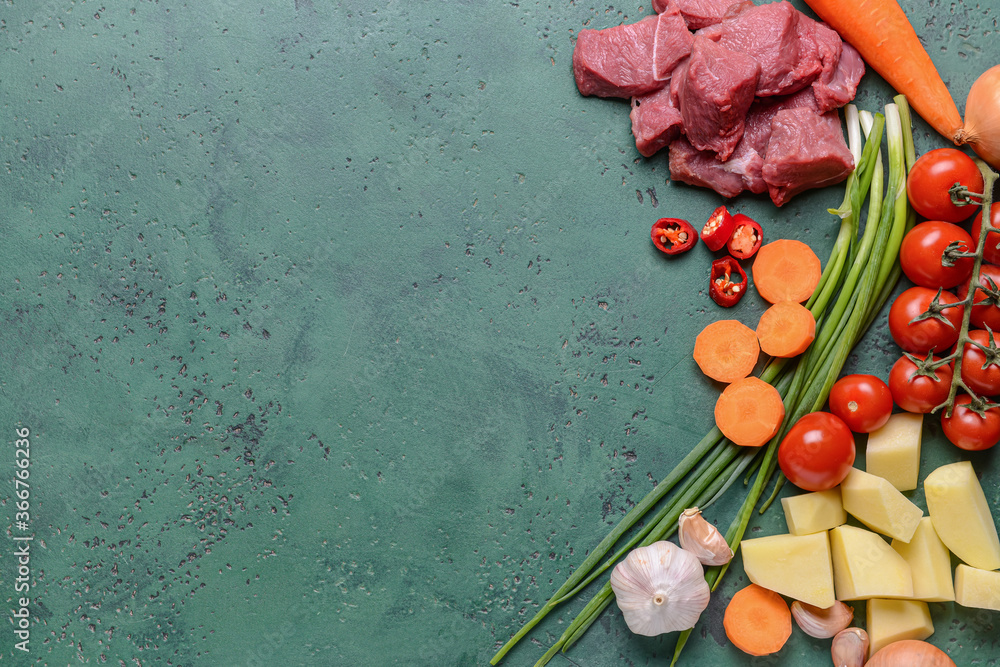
x=910, y=653
x=982, y=117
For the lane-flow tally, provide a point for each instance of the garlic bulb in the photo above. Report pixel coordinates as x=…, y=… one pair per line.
x=822, y=623
x=702, y=538
x=660, y=588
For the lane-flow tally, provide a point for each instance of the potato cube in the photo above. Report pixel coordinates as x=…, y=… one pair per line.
x=893, y=451
x=810, y=513
x=865, y=566
x=876, y=503
x=961, y=515
x=977, y=588
x=894, y=620
x=794, y=565
x=930, y=563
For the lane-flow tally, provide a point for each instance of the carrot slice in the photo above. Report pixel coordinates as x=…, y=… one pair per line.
x=749, y=412
x=757, y=621
x=882, y=34
x=726, y=350
x=786, y=270
x=786, y=329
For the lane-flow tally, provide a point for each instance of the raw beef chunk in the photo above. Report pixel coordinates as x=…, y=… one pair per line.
x=749, y=153
x=616, y=62
x=748, y=102
x=806, y=150
x=671, y=44
x=655, y=121
x=837, y=85
x=744, y=170
x=749, y=165
x=714, y=96
x=757, y=132
x=677, y=78
x=700, y=168
x=789, y=60
x=701, y=13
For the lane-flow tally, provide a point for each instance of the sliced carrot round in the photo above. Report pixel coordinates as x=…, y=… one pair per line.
x=726, y=350
x=786, y=329
x=786, y=270
x=757, y=621
x=749, y=412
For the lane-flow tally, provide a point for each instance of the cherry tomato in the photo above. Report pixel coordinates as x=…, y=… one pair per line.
x=915, y=391
x=991, y=251
x=988, y=314
x=818, y=452
x=864, y=402
x=673, y=235
x=931, y=333
x=927, y=254
x=747, y=237
x=980, y=370
x=933, y=174
x=718, y=229
x=966, y=429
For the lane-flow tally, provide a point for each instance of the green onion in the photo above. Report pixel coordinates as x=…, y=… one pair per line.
x=858, y=278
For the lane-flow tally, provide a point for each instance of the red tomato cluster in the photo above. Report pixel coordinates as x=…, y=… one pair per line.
x=937, y=255
x=741, y=235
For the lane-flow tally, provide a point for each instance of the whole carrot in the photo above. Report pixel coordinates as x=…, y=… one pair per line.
x=882, y=34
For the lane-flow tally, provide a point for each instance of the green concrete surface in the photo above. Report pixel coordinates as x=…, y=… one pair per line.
x=339, y=335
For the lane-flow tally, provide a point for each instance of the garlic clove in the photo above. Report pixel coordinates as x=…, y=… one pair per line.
x=660, y=588
x=702, y=538
x=850, y=648
x=819, y=622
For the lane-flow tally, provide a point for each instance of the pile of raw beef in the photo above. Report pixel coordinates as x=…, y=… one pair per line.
x=744, y=96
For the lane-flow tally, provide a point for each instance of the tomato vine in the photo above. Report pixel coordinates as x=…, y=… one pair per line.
x=962, y=196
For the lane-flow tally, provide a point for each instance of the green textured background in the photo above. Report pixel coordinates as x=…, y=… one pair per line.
x=340, y=335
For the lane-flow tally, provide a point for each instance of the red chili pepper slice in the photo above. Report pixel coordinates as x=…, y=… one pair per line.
x=747, y=237
x=718, y=229
x=725, y=289
x=673, y=235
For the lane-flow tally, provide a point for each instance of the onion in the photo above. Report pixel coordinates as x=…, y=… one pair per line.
x=982, y=117
x=910, y=653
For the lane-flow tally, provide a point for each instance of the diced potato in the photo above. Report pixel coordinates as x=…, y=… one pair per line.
x=977, y=588
x=893, y=451
x=957, y=506
x=810, y=513
x=794, y=565
x=895, y=620
x=930, y=563
x=865, y=566
x=876, y=503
